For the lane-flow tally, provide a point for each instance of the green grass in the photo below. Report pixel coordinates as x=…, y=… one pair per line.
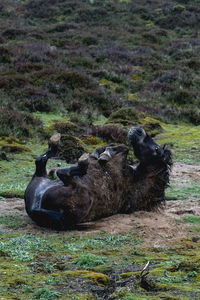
x=176, y=192
x=191, y=219
x=12, y=221
x=183, y=140
x=43, y=267
x=24, y=248
x=45, y=294
x=49, y=119
x=90, y=260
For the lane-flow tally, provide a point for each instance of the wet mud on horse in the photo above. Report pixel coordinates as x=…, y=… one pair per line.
x=102, y=184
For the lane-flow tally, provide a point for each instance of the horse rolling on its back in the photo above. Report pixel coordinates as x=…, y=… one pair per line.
x=102, y=184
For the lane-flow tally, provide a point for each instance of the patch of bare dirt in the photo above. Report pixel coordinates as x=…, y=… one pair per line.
x=155, y=228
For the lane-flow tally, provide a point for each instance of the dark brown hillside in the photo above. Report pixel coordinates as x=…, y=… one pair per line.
x=99, y=56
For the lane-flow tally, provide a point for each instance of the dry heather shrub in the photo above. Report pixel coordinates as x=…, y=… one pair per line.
x=110, y=133
x=18, y=124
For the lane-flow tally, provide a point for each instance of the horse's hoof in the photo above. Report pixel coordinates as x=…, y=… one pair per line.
x=105, y=156
x=84, y=159
x=55, y=139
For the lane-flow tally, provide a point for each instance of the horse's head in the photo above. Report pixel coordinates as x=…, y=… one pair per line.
x=145, y=148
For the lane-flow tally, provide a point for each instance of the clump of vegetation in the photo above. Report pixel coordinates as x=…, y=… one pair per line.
x=191, y=114
x=14, y=148
x=70, y=148
x=182, y=97
x=151, y=126
x=125, y=117
x=12, y=145
x=45, y=293
x=18, y=124
x=64, y=127
x=5, y=55
x=110, y=133
x=90, y=260
x=99, y=278
x=91, y=140
x=74, y=79
x=96, y=99
x=12, y=81
x=37, y=99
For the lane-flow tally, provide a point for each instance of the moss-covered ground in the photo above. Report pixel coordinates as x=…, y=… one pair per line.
x=73, y=265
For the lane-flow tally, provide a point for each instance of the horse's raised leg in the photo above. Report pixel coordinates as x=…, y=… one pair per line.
x=66, y=175
x=41, y=162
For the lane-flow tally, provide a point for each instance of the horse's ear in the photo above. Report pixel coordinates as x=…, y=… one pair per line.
x=164, y=147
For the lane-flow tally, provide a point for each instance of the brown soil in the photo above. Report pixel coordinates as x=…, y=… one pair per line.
x=155, y=228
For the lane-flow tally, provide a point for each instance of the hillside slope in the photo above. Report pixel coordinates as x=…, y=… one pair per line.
x=94, y=57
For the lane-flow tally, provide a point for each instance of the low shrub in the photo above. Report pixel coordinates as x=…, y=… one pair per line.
x=194, y=64
x=46, y=293
x=125, y=116
x=27, y=67
x=110, y=133
x=178, y=8
x=74, y=79
x=75, y=106
x=182, y=97
x=95, y=98
x=151, y=126
x=14, y=148
x=90, y=15
x=18, y=124
x=70, y=148
x=64, y=127
x=89, y=40
x=5, y=55
x=37, y=99
x=12, y=80
x=191, y=114
x=13, y=33
x=90, y=260
x=41, y=9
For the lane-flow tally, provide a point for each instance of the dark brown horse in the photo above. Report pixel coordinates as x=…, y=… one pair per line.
x=102, y=184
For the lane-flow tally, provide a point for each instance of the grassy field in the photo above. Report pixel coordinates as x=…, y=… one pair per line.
x=100, y=266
